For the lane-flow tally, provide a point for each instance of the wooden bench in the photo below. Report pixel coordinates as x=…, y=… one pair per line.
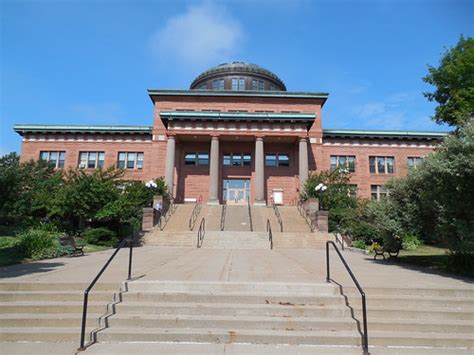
x=69, y=242
x=392, y=249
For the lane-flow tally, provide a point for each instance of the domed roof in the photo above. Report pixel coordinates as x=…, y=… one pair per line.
x=238, y=68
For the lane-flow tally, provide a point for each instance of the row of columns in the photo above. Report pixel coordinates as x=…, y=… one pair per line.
x=214, y=167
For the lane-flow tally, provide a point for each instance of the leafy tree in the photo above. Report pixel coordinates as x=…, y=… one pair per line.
x=454, y=82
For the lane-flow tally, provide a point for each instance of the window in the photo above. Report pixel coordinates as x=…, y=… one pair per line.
x=277, y=160
x=353, y=191
x=237, y=159
x=196, y=159
x=91, y=160
x=343, y=162
x=218, y=84
x=378, y=192
x=273, y=87
x=413, y=162
x=54, y=159
x=202, y=87
x=130, y=160
x=258, y=85
x=238, y=84
x=382, y=165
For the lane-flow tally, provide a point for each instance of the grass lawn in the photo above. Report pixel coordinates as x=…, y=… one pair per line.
x=433, y=257
x=9, y=253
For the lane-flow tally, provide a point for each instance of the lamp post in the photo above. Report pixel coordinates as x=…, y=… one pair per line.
x=321, y=188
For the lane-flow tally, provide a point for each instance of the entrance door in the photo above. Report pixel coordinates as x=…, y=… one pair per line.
x=236, y=192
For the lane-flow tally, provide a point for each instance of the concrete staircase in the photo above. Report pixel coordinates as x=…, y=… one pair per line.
x=179, y=221
x=50, y=312
x=288, y=240
x=237, y=218
x=171, y=239
x=231, y=312
x=292, y=220
x=236, y=240
x=260, y=215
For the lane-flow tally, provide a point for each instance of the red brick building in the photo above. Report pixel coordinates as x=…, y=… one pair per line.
x=235, y=134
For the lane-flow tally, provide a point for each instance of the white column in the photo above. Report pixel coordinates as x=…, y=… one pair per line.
x=169, y=168
x=259, y=172
x=303, y=162
x=214, y=172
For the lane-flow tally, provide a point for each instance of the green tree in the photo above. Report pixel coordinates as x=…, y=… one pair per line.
x=454, y=83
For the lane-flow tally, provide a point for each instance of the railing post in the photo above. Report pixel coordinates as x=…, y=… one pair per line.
x=364, y=313
x=328, y=276
x=130, y=255
x=84, y=320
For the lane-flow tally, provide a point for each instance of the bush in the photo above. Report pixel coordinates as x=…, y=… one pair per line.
x=359, y=244
x=410, y=242
x=100, y=236
x=39, y=244
x=461, y=262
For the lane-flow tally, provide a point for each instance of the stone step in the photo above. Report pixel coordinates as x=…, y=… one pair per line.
x=141, y=321
x=50, y=307
x=47, y=320
x=43, y=334
x=234, y=297
x=385, y=291
x=228, y=309
x=15, y=296
x=414, y=301
x=55, y=286
x=215, y=335
x=397, y=338
x=409, y=313
x=260, y=288
x=422, y=325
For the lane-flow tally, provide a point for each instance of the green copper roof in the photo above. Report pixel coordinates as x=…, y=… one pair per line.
x=382, y=133
x=247, y=93
x=25, y=128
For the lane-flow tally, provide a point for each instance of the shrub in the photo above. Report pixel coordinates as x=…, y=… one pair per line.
x=359, y=244
x=461, y=262
x=39, y=244
x=410, y=242
x=373, y=247
x=100, y=236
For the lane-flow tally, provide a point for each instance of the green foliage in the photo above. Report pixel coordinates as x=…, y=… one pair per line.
x=100, y=236
x=461, y=262
x=37, y=244
x=337, y=198
x=410, y=242
x=359, y=244
x=454, y=82
x=373, y=247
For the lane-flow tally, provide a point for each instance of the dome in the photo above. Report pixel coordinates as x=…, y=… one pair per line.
x=238, y=76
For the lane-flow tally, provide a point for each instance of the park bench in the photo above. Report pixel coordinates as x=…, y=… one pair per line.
x=392, y=249
x=69, y=242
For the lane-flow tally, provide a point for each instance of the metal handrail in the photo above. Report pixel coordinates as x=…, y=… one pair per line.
x=195, y=213
x=91, y=285
x=309, y=221
x=223, y=213
x=250, y=213
x=201, y=232
x=277, y=214
x=270, y=235
x=167, y=215
x=361, y=291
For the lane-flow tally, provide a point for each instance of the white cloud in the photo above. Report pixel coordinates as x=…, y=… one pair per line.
x=370, y=109
x=100, y=113
x=204, y=34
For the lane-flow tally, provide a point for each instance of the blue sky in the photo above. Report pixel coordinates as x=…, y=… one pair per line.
x=90, y=62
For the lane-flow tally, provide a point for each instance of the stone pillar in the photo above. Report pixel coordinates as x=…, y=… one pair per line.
x=323, y=221
x=148, y=220
x=259, y=172
x=214, y=172
x=303, y=162
x=169, y=169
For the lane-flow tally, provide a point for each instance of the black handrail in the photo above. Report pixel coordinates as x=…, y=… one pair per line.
x=168, y=213
x=277, y=214
x=250, y=213
x=309, y=221
x=89, y=288
x=270, y=235
x=223, y=213
x=201, y=232
x=195, y=213
x=362, y=293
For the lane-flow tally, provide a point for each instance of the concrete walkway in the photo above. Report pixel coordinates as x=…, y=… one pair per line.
x=290, y=265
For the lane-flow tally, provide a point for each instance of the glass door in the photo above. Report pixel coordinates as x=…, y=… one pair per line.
x=236, y=191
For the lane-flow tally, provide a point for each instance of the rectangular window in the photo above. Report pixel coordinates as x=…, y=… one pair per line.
x=54, y=158
x=277, y=160
x=218, y=84
x=378, y=192
x=353, y=191
x=237, y=159
x=343, y=162
x=226, y=159
x=91, y=160
x=196, y=159
x=130, y=160
x=258, y=85
x=238, y=84
x=413, y=162
x=382, y=165
x=247, y=159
